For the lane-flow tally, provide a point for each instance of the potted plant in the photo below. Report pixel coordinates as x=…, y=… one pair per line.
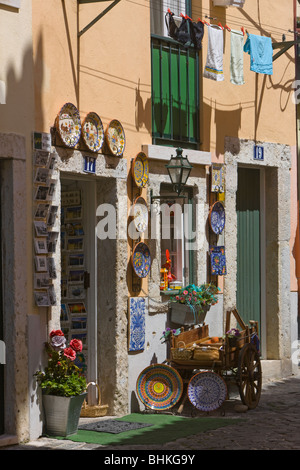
x=192, y=302
x=63, y=386
x=233, y=336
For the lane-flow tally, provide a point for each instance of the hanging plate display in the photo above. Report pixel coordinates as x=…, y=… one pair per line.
x=141, y=260
x=93, y=132
x=207, y=391
x=140, y=214
x=140, y=170
x=115, y=138
x=217, y=217
x=159, y=387
x=68, y=125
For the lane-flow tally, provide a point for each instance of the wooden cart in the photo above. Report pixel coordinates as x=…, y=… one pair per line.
x=194, y=350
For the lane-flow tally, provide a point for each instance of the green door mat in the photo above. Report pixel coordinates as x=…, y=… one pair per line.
x=165, y=428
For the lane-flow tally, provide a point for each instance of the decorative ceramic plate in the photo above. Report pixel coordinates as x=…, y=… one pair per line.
x=69, y=125
x=141, y=260
x=93, y=132
x=140, y=214
x=217, y=217
x=207, y=391
x=140, y=170
x=115, y=138
x=159, y=387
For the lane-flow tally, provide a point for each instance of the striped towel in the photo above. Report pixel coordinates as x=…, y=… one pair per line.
x=214, y=61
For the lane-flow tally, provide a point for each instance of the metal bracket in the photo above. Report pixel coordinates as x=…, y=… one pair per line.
x=284, y=46
x=97, y=17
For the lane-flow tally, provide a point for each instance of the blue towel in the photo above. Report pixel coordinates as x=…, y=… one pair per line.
x=261, y=53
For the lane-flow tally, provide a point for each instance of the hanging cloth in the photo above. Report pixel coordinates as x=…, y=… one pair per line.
x=261, y=53
x=180, y=31
x=214, y=61
x=197, y=30
x=236, y=57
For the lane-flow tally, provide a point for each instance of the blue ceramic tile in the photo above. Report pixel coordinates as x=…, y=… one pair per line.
x=137, y=312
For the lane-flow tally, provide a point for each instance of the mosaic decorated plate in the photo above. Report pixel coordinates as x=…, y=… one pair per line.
x=159, y=387
x=115, y=138
x=69, y=125
x=140, y=170
x=207, y=391
x=217, y=217
x=141, y=260
x=140, y=214
x=93, y=132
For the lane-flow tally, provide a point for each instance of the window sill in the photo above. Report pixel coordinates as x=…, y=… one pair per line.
x=159, y=152
x=169, y=292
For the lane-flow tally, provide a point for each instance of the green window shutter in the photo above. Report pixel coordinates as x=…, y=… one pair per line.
x=175, y=95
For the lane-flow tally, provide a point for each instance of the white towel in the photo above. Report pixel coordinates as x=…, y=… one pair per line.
x=214, y=62
x=237, y=57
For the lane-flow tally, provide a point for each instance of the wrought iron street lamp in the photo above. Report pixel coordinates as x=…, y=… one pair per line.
x=179, y=169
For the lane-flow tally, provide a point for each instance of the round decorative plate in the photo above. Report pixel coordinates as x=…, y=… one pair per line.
x=159, y=387
x=141, y=260
x=115, y=138
x=217, y=217
x=93, y=132
x=207, y=391
x=140, y=170
x=140, y=214
x=69, y=125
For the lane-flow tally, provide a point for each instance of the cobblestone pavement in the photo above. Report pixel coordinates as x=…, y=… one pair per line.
x=273, y=425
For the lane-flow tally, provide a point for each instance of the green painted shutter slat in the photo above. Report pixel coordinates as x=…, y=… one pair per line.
x=175, y=96
x=248, y=244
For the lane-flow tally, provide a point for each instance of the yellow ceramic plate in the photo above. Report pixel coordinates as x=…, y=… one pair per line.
x=140, y=170
x=93, y=132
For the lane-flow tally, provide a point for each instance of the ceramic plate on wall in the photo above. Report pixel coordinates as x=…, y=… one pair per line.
x=93, y=132
x=217, y=217
x=140, y=214
x=115, y=138
x=159, y=387
x=141, y=260
x=140, y=170
x=207, y=391
x=69, y=125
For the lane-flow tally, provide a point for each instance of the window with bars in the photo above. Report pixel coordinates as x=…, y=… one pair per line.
x=175, y=93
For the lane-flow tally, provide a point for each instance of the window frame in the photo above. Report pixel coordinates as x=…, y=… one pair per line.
x=175, y=135
x=188, y=254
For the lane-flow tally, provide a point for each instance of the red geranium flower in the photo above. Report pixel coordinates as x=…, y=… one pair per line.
x=56, y=333
x=76, y=344
x=70, y=353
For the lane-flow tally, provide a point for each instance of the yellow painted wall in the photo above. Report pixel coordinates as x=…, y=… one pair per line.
x=107, y=70
x=262, y=108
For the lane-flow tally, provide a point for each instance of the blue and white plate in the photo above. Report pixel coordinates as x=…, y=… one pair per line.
x=217, y=217
x=207, y=391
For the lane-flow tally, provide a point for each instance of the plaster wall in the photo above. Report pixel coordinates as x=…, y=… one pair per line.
x=262, y=109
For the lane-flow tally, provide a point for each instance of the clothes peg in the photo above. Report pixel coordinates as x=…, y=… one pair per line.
x=188, y=18
x=243, y=30
x=220, y=24
x=227, y=27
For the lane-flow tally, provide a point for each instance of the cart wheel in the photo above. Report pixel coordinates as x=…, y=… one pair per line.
x=249, y=377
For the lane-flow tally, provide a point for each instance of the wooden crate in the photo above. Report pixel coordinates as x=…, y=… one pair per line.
x=190, y=336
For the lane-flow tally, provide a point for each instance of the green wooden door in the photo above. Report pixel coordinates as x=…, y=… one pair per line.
x=248, y=244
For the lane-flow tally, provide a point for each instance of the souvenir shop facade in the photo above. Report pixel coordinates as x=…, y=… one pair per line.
x=84, y=281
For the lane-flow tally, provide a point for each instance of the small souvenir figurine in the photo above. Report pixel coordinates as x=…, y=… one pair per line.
x=163, y=279
x=168, y=265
